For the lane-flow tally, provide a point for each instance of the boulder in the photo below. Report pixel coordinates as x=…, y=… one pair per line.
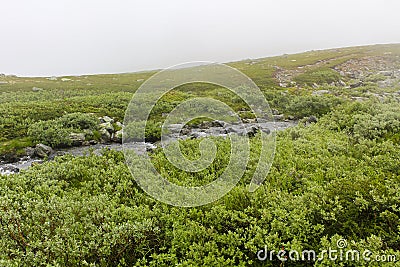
x=252, y=131
x=320, y=92
x=118, y=136
x=30, y=151
x=387, y=73
x=106, y=119
x=77, y=139
x=37, y=89
x=356, y=84
x=9, y=169
x=105, y=135
x=279, y=117
x=107, y=126
x=312, y=119
x=42, y=150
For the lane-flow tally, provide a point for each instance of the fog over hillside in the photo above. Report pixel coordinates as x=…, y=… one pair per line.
x=44, y=37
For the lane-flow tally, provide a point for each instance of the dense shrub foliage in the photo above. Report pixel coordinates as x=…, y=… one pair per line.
x=56, y=132
x=325, y=184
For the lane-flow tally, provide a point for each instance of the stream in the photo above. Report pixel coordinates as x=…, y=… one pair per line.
x=26, y=162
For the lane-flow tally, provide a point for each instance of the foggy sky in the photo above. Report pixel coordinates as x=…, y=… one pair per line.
x=60, y=37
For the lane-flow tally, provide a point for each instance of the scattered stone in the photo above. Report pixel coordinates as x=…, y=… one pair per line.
x=387, y=73
x=77, y=139
x=356, y=84
x=105, y=135
x=118, y=136
x=42, y=150
x=386, y=83
x=9, y=169
x=312, y=119
x=320, y=92
x=92, y=142
x=275, y=112
x=106, y=119
x=37, y=89
x=108, y=126
x=30, y=151
x=196, y=135
x=252, y=131
x=279, y=117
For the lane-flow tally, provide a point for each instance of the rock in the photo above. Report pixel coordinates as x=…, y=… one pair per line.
x=315, y=86
x=386, y=83
x=107, y=126
x=356, y=84
x=3, y=82
x=312, y=119
x=387, y=73
x=92, y=142
x=291, y=118
x=252, y=131
x=342, y=83
x=196, y=135
x=279, y=117
x=52, y=78
x=37, y=89
x=30, y=151
x=42, y=150
x=65, y=80
x=9, y=169
x=320, y=92
x=118, y=136
x=77, y=139
x=105, y=135
x=120, y=125
x=185, y=131
x=275, y=112
x=106, y=119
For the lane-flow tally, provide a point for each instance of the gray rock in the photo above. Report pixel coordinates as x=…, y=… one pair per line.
x=279, y=117
x=252, y=131
x=312, y=119
x=37, y=89
x=320, y=92
x=106, y=119
x=356, y=84
x=42, y=150
x=9, y=169
x=275, y=112
x=117, y=137
x=30, y=151
x=196, y=135
x=77, y=139
x=105, y=135
x=107, y=126
x=387, y=73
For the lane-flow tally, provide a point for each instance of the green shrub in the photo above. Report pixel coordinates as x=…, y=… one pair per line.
x=50, y=133
x=79, y=121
